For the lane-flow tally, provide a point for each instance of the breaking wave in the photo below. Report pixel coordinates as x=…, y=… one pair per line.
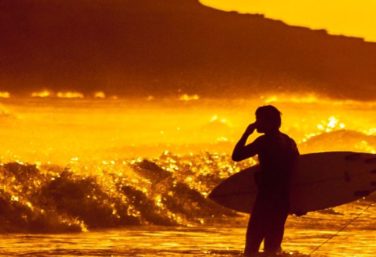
x=169, y=191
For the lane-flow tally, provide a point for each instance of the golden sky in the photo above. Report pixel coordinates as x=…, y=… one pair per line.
x=345, y=17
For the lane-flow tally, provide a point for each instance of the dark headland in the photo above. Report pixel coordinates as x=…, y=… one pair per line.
x=163, y=47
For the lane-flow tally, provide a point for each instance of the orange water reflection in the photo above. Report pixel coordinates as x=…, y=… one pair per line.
x=65, y=130
x=103, y=138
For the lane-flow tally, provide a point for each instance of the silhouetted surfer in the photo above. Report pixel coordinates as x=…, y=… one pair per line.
x=277, y=154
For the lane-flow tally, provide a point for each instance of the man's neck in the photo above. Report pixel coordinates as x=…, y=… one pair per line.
x=272, y=132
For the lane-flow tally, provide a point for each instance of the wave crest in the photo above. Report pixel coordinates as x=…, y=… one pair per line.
x=53, y=199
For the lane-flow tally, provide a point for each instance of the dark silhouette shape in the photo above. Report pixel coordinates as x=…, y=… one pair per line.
x=277, y=155
x=147, y=47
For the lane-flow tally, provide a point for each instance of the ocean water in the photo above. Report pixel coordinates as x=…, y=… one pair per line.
x=131, y=177
x=149, y=211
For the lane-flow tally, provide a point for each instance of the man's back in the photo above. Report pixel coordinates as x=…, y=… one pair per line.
x=277, y=155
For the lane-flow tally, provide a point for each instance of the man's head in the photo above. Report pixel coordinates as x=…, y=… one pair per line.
x=268, y=119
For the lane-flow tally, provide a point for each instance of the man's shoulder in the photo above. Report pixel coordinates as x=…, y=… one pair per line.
x=288, y=137
x=291, y=144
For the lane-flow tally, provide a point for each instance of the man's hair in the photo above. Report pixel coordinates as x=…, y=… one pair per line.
x=270, y=113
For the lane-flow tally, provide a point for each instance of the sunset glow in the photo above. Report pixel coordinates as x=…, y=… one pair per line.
x=4, y=94
x=119, y=120
x=69, y=94
x=100, y=94
x=351, y=18
x=42, y=94
x=186, y=97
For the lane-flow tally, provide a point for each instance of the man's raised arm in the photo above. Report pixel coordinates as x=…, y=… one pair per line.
x=242, y=151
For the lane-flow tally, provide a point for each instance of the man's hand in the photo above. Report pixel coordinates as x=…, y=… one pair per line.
x=241, y=151
x=250, y=129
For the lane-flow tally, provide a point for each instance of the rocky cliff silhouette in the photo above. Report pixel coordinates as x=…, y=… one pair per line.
x=162, y=47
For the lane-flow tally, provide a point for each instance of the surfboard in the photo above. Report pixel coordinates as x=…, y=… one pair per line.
x=321, y=180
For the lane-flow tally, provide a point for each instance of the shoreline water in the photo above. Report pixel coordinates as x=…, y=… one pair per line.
x=178, y=241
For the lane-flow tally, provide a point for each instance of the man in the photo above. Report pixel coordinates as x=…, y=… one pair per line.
x=277, y=154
